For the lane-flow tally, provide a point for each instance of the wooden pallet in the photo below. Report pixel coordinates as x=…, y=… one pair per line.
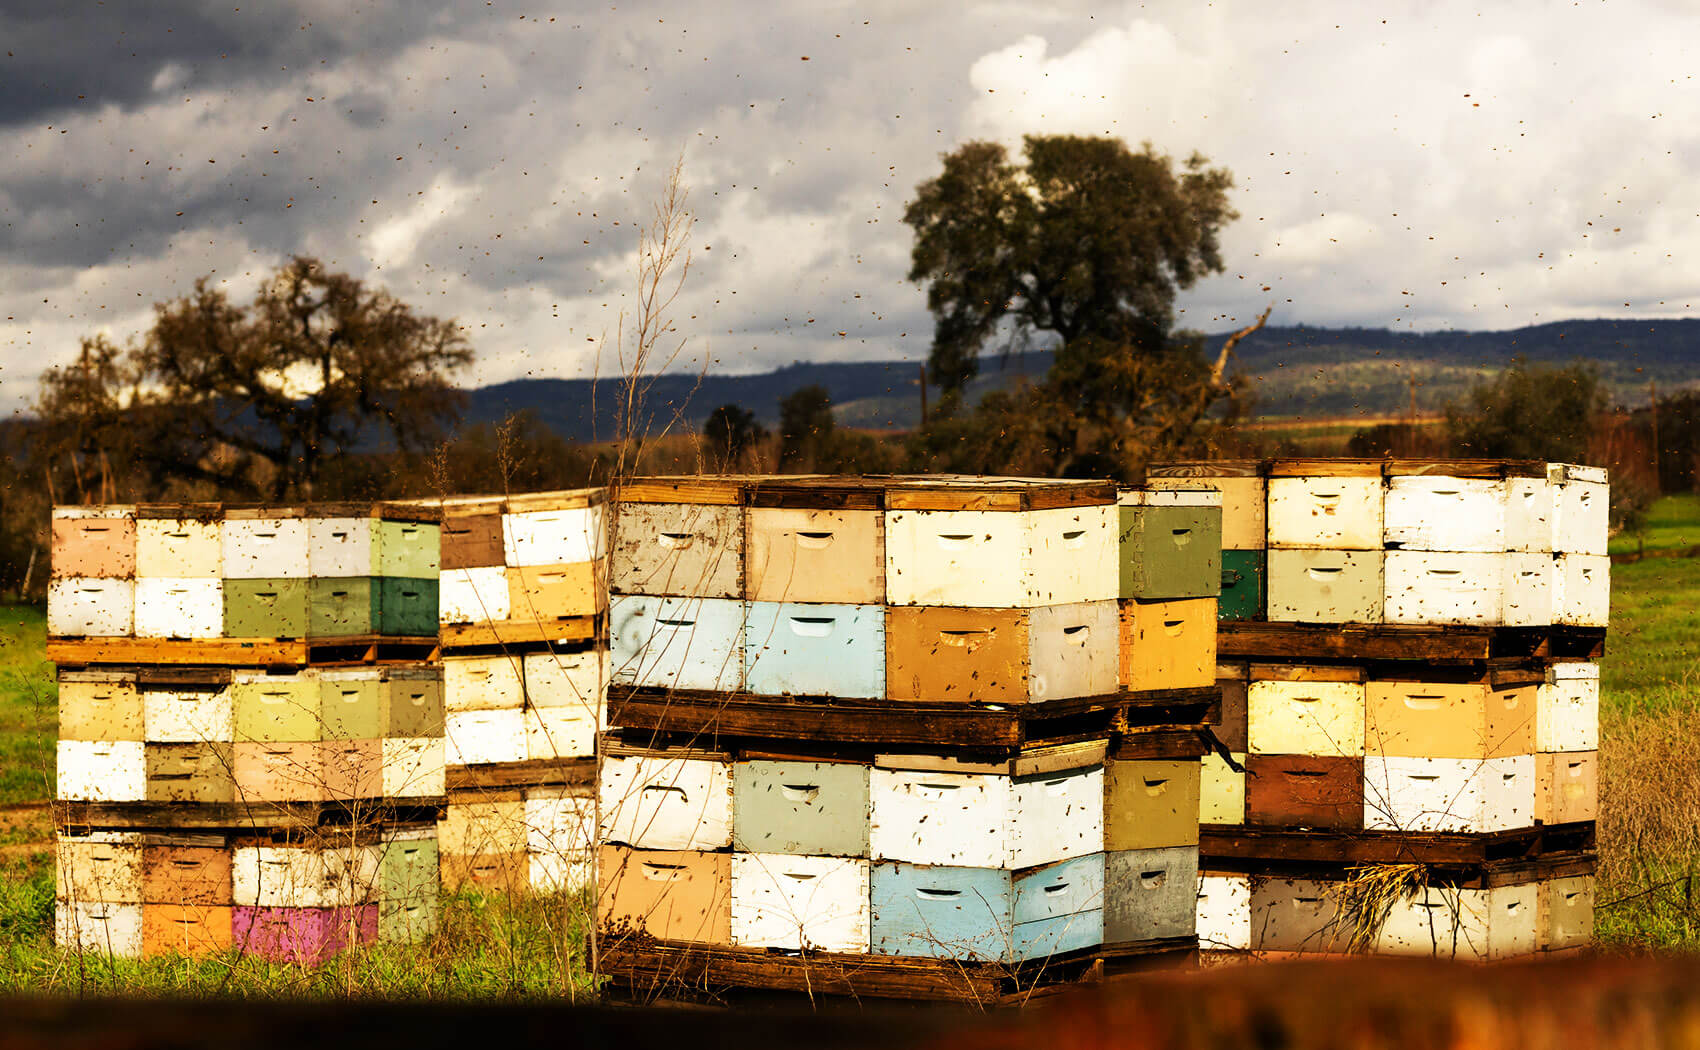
x=1218, y=843
x=1361, y=642
x=529, y=632
x=702, y=715
x=569, y=772
x=647, y=969
x=245, y=815
x=240, y=652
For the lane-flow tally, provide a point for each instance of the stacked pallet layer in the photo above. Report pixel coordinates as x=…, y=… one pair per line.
x=236, y=682
x=1479, y=770
x=1465, y=543
x=136, y=893
x=762, y=601
x=205, y=572
x=526, y=676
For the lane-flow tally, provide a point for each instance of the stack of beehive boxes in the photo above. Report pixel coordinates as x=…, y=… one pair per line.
x=770, y=602
x=182, y=743
x=1407, y=734
x=526, y=674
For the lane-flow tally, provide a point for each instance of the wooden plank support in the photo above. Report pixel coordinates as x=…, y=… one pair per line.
x=721, y=716
x=545, y=772
x=1293, y=845
x=672, y=967
x=521, y=632
x=244, y=815
x=1369, y=642
x=212, y=652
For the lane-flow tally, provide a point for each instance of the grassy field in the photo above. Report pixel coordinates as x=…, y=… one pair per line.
x=1649, y=890
x=1673, y=524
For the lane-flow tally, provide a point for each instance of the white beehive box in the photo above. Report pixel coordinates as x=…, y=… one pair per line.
x=1224, y=912
x=1471, y=795
x=414, y=767
x=1582, y=590
x=91, y=606
x=107, y=929
x=781, y=901
x=102, y=771
x=474, y=596
x=1426, y=587
x=1567, y=708
x=1475, y=925
x=1581, y=509
x=483, y=683
x=667, y=801
x=1529, y=510
x=1001, y=559
x=984, y=820
x=1335, y=513
x=178, y=547
x=476, y=738
x=578, y=679
x=553, y=537
x=1305, y=718
x=303, y=877
x=1431, y=513
x=179, y=607
x=265, y=548
x=101, y=866
x=561, y=732
x=172, y=715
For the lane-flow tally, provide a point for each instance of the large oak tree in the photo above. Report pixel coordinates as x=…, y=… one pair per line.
x=256, y=400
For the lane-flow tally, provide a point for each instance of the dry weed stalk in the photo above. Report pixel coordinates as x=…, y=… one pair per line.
x=1368, y=895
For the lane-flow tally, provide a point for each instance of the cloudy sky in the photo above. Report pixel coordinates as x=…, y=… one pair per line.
x=1432, y=164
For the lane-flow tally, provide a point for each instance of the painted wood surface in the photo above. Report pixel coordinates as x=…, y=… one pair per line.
x=1325, y=586
x=562, y=732
x=798, y=649
x=985, y=913
x=1304, y=791
x=1244, y=506
x=481, y=737
x=1168, y=645
x=1567, y=708
x=553, y=537
x=1567, y=787
x=1581, y=509
x=1245, y=584
x=273, y=607
x=285, y=707
x=1448, y=720
x=1582, y=590
x=1565, y=912
x=1170, y=551
x=1295, y=915
x=483, y=683
x=986, y=820
x=191, y=773
x=1222, y=791
x=279, y=771
x=678, y=549
x=1150, y=804
x=663, y=802
x=798, y=902
x=101, y=771
x=1305, y=718
x=1439, y=513
x=103, y=866
x=1150, y=893
x=414, y=767
x=474, y=595
x=1336, y=513
x=100, y=705
x=483, y=826
x=187, y=874
x=1449, y=794
x=797, y=807
x=681, y=895
x=957, y=558
x=303, y=876
x=89, y=606
x=1477, y=925
x=105, y=929
x=93, y=541
x=265, y=548
x=179, y=607
x=680, y=643
x=1530, y=508
x=820, y=556
x=1224, y=912
x=181, y=548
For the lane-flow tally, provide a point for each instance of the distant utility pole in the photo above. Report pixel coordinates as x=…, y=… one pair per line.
x=1653, y=403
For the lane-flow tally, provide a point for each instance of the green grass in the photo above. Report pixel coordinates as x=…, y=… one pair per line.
x=1652, y=661
x=1673, y=524
x=29, y=708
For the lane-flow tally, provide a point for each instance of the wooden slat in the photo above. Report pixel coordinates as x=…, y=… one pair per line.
x=1208, y=468
x=520, y=632
x=1287, y=845
x=538, y=773
x=1467, y=468
x=557, y=499
x=1247, y=639
x=1325, y=468
x=708, y=489
x=231, y=652
x=1304, y=673
x=241, y=815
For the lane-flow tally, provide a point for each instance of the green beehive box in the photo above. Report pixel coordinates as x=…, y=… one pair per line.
x=1171, y=544
x=353, y=705
x=412, y=705
x=1243, y=575
x=265, y=608
x=340, y=607
x=277, y=708
x=407, y=548
x=407, y=606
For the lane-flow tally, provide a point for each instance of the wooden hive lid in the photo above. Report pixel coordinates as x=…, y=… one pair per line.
x=974, y=492
x=1169, y=497
x=66, y=511
x=726, y=490
x=204, y=513
x=1326, y=468
x=1207, y=468
x=558, y=499
x=1492, y=469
